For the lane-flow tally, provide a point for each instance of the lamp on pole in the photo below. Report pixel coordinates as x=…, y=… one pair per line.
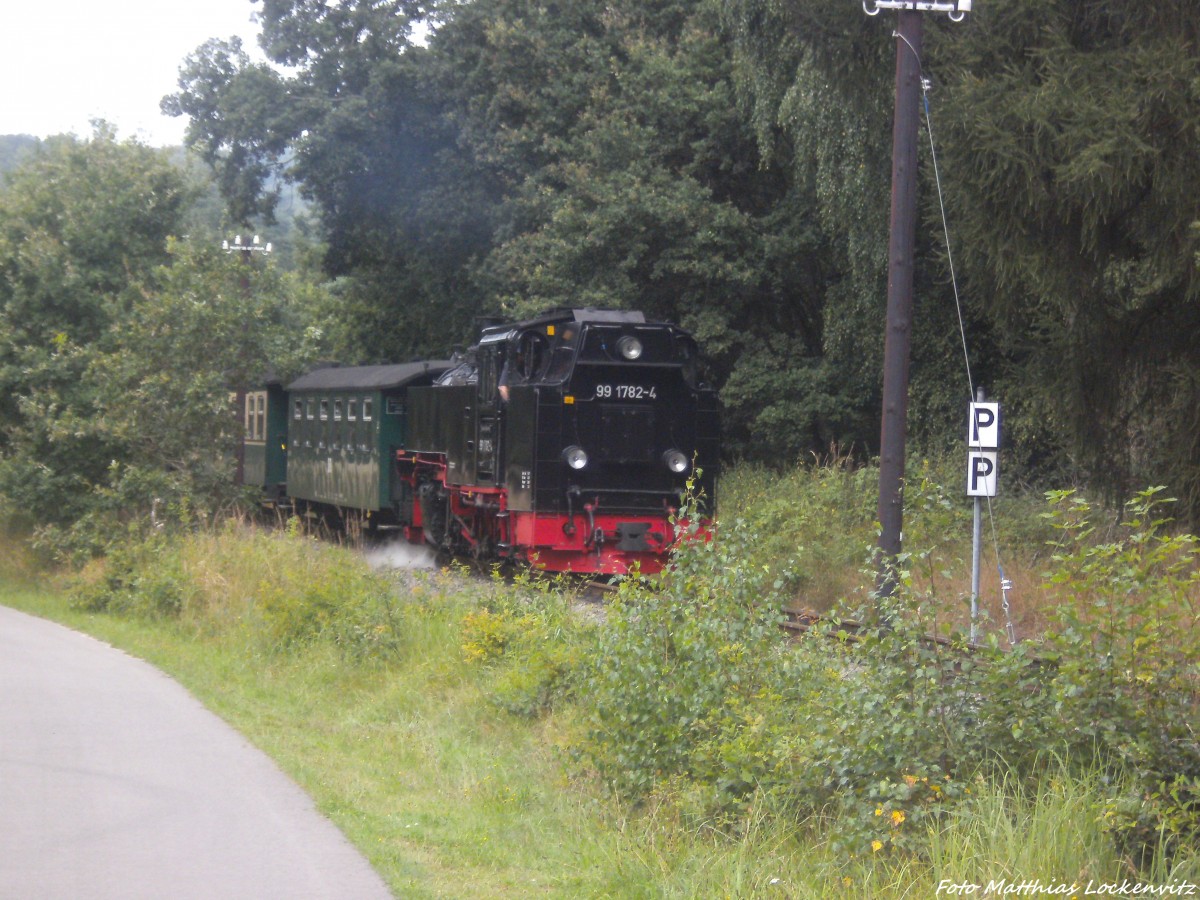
x=255, y=246
x=247, y=251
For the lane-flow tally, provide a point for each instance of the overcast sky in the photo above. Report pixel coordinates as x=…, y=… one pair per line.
x=70, y=61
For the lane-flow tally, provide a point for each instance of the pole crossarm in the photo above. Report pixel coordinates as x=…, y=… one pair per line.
x=956, y=8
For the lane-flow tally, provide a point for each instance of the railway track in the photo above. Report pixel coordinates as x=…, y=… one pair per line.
x=800, y=621
x=796, y=620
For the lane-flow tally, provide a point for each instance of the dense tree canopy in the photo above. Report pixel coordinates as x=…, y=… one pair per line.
x=358, y=125
x=118, y=344
x=1069, y=136
x=725, y=164
x=529, y=157
x=1076, y=194
x=78, y=224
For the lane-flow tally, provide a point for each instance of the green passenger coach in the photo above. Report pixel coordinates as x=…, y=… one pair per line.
x=345, y=425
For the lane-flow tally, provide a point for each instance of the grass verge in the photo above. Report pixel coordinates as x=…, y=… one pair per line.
x=414, y=710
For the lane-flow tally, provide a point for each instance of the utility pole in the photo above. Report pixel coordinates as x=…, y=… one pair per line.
x=902, y=236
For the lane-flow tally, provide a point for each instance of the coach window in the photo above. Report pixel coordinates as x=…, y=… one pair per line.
x=352, y=409
x=252, y=416
x=309, y=407
x=368, y=409
x=337, y=410
x=324, y=410
x=260, y=425
x=297, y=409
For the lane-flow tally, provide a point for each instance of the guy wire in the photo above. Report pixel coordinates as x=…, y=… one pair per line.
x=1005, y=584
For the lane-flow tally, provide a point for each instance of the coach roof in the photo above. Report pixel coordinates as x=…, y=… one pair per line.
x=369, y=378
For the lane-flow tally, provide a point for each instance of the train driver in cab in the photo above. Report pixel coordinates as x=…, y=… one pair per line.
x=523, y=362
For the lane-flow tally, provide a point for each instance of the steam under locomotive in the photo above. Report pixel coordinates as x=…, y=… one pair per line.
x=564, y=441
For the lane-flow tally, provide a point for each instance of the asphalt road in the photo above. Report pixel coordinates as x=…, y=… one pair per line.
x=116, y=783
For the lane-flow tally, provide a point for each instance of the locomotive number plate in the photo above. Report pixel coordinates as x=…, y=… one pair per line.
x=626, y=392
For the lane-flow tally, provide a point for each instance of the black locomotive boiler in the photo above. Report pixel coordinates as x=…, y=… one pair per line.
x=565, y=442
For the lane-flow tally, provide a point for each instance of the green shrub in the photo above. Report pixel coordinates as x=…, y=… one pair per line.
x=677, y=668
x=809, y=522
x=139, y=577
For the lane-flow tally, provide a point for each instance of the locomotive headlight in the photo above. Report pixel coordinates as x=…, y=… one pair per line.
x=629, y=347
x=676, y=461
x=575, y=457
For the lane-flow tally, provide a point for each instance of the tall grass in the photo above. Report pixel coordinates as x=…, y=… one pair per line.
x=817, y=524
x=1052, y=828
x=1055, y=829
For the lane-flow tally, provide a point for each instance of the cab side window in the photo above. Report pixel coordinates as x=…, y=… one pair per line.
x=532, y=354
x=488, y=372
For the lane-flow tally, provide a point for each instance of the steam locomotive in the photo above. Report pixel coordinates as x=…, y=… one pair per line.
x=564, y=442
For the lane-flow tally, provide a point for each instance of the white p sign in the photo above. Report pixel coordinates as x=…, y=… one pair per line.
x=984, y=430
x=983, y=442
x=982, y=473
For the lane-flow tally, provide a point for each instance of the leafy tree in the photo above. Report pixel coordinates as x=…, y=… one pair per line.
x=78, y=223
x=648, y=192
x=1075, y=194
x=357, y=125
x=1068, y=182
x=210, y=323
x=240, y=123
x=75, y=222
x=119, y=346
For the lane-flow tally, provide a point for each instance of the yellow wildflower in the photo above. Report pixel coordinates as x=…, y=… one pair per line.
x=898, y=817
x=876, y=846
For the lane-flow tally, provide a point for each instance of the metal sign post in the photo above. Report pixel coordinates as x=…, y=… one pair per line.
x=983, y=475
